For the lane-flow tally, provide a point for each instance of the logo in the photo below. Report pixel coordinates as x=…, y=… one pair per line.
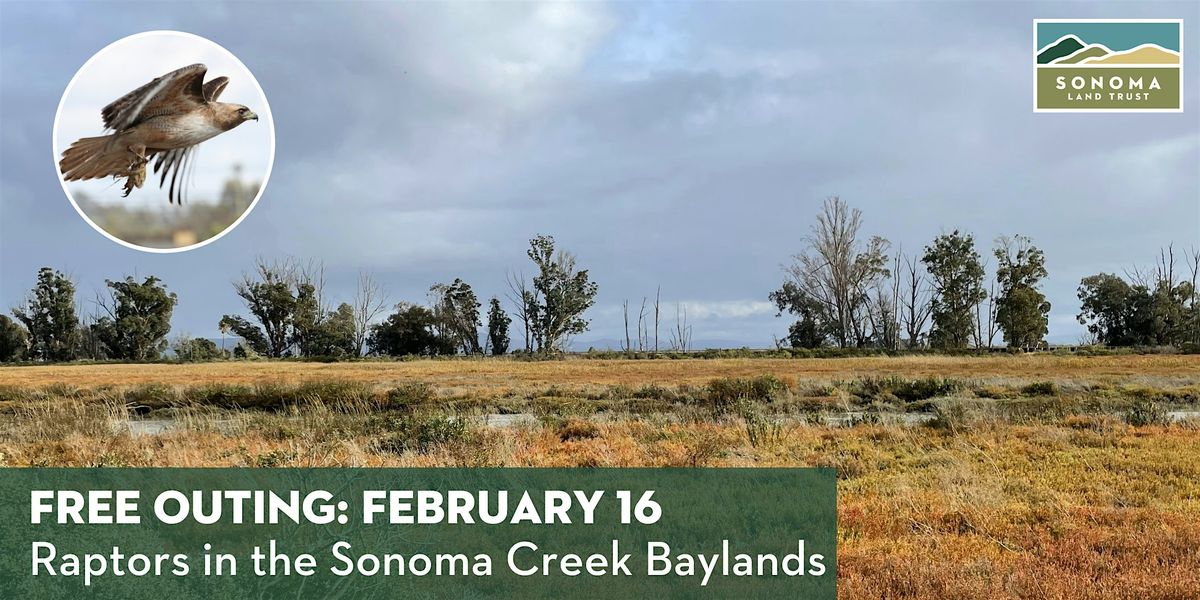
x=1108, y=65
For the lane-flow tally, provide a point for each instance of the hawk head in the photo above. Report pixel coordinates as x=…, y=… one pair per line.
x=232, y=115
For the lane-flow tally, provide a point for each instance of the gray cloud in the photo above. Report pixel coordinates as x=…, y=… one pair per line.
x=687, y=146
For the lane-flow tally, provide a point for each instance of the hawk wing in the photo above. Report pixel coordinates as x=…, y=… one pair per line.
x=179, y=91
x=213, y=89
x=174, y=162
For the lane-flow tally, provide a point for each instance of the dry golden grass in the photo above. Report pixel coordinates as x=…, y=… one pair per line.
x=491, y=374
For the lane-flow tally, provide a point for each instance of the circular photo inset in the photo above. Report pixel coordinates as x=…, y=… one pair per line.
x=163, y=141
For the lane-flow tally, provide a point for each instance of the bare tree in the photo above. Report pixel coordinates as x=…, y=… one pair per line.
x=1193, y=266
x=1162, y=273
x=521, y=295
x=1194, y=275
x=916, y=304
x=992, y=325
x=986, y=325
x=625, y=311
x=838, y=271
x=681, y=337
x=1165, y=269
x=370, y=301
x=312, y=272
x=881, y=324
x=657, y=299
x=641, y=326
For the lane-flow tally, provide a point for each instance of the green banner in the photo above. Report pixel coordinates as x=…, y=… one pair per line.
x=1108, y=88
x=389, y=533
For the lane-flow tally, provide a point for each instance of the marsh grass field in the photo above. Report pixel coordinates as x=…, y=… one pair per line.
x=1024, y=476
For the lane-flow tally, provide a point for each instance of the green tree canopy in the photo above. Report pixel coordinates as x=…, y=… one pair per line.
x=285, y=302
x=137, y=319
x=14, y=341
x=811, y=329
x=49, y=317
x=411, y=330
x=251, y=334
x=560, y=294
x=1022, y=310
x=497, y=325
x=456, y=311
x=333, y=336
x=1120, y=313
x=1106, y=308
x=957, y=277
x=189, y=349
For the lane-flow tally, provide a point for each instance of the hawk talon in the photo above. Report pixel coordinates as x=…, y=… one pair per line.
x=136, y=174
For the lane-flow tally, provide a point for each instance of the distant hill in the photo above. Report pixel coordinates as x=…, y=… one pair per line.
x=1065, y=47
x=664, y=344
x=1147, y=54
x=1094, y=51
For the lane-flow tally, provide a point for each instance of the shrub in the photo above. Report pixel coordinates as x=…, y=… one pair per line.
x=222, y=395
x=339, y=393
x=763, y=432
x=724, y=393
x=1183, y=395
x=62, y=390
x=1039, y=409
x=152, y=395
x=948, y=417
x=435, y=431
x=274, y=458
x=908, y=390
x=848, y=463
x=577, y=430
x=1040, y=388
x=702, y=445
x=869, y=417
x=342, y=395
x=410, y=394
x=423, y=434
x=653, y=391
x=196, y=350
x=1144, y=413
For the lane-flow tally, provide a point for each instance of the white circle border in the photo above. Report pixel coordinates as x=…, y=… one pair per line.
x=261, y=188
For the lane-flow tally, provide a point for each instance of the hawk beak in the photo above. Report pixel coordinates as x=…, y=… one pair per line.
x=250, y=116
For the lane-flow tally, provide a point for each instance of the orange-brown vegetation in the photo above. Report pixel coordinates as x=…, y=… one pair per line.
x=1057, y=495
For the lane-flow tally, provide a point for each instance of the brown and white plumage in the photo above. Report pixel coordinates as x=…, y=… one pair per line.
x=164, y=119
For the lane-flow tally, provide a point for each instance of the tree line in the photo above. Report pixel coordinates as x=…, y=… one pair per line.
x=847, y=290
x=287, y=314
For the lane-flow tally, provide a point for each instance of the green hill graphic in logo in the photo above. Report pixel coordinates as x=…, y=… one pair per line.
x=1108, y=65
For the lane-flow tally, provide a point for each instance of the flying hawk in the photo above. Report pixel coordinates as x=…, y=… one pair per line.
x=166, y=118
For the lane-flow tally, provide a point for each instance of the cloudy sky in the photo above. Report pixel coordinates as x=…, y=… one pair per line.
x=676, y=144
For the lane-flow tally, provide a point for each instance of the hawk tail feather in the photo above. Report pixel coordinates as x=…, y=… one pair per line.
x=95, y=158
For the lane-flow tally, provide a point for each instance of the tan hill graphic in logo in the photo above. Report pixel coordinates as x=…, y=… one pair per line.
x=1146, y=54
x=1093, y=51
